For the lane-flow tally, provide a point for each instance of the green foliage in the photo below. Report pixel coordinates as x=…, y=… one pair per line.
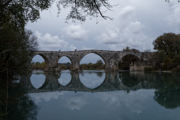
x=19, y=12
x=39, y=66
x=15, y=47
x=167, y=56
x=65, y=66
x=127, y=49
x=168, y=44
x=16, y=43
x=80, y=9
x=90, y=66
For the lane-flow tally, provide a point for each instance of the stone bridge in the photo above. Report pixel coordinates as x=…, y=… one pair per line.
x=111, y=58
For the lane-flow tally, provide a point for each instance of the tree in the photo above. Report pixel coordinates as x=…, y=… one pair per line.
x=15, y=51
x=168, y=50
x=82, y=8
x=99, y=62
x=19, y=12
x=25, y=10
x=127, y=49
x=168, y=43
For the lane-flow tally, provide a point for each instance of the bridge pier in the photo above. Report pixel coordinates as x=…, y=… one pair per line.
x=52, y=63
x=138, y=67
x=111, y=65
x=75, y=65
x=51, y=81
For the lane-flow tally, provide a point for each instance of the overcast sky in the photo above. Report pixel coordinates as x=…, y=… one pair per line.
x=136, y=23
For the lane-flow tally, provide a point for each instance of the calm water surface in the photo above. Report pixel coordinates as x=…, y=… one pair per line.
x=97, y=95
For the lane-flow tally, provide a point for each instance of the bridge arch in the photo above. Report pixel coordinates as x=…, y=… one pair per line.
x=65, y=62
x=66, y=56
x=95, y=53
x=100, y=57
x=39, y=62
x=41, y=55
x=128, y=60
x=137, y=55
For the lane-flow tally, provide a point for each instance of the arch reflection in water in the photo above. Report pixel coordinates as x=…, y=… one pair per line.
x=65, y=78
x=130, y=79
x=37, y=79
x=92, y=79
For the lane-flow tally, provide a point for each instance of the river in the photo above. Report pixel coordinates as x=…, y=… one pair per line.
x=96, y=95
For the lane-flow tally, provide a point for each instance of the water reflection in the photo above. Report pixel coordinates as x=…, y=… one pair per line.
x=168, y=97
x=65, y=78
x=117, y=95
x=15, y=103
x=168, y=94
x=129, y=79
x=37, y=80
x=92, y=79
x=89, y=80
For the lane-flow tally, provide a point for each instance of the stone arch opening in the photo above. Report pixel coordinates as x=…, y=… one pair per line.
x=39, y=62
x=127, y=61
x=92, y=61
x=65, y=63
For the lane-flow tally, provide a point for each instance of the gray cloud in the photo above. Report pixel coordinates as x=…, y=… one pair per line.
x=173, y=18
x=128, y=31
x=46, y=96
x=76, y=103
x=50, y=42
x=76, y=32
x=135, y=24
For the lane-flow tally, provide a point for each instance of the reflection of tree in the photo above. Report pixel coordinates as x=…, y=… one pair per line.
x=15, y=104
x=99, y=74
x=129, y=80
x=168, y=93
x=114, y=79
x=168, y=97
x=99, y=65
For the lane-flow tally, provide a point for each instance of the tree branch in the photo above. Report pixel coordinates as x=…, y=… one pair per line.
x=97, y=7
x=7, y=3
